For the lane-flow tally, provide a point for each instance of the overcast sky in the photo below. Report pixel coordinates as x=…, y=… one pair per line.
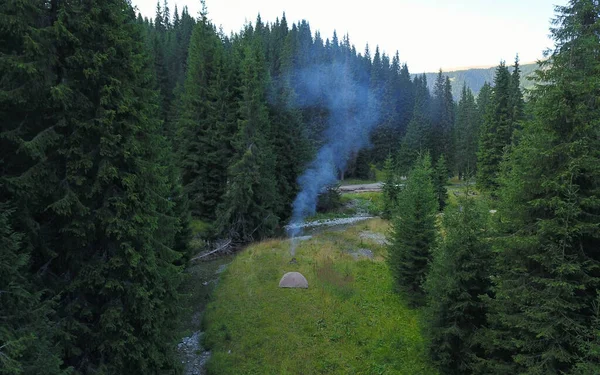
x=428, y=34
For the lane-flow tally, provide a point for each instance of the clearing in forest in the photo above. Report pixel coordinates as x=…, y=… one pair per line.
x=349, y=320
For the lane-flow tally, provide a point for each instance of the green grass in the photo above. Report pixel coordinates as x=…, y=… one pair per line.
x=349, y=321
x=370, y=202
x=200, y=228
x=457, y=188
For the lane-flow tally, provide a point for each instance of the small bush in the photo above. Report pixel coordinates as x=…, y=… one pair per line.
x=329, y=200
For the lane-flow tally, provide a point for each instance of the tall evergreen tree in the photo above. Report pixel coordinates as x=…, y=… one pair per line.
x=458, y=278
x=26, y=333
x=248, y=211
x=442, y=117
x=27, y=327
x=544, y=315
x=90, y=190
x=516, y=95
x=391, y=188
x=206, y=121
x=418, y=134
x=496, y=131
x=413, y=232
x=440, y=180
x=466, y=134
x=484, y=98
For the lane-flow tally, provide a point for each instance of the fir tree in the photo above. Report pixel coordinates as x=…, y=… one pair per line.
x=442, y=113
x=110, y=267
x=466, y=134
x=484, y=98
x=418, y=134
x=27, y=334
x=516, y=95
x=28, y=329
x=496, y=131
x=440, y=180
x=250, y=202
x=413, y=232
x=459, y=276
x=206, y=121
x=391, y=188
x=544, y=315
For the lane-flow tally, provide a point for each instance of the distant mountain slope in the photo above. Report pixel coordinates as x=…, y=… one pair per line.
x=476, y=77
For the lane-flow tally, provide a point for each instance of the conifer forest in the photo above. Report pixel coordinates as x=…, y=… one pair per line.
x=131, y=148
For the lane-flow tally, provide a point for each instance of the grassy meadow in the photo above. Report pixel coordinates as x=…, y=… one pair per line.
x=349, y=321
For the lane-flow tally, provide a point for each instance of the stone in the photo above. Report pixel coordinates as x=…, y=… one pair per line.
x=293, y=280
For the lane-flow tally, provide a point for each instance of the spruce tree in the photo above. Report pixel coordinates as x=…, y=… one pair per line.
x=28, y=327
x=391, y=188
x=496, y=131
x=440, y=180
x=248, y=209
x=288, y=133
x=516, y=95
x=418, y=137
x=484, y=99
x=100, y=250
x=442, y=113
x=459, y=276
x=27, y=333
x=414, y=232
x=206, y=121
x=544, y=315
x=466, y=134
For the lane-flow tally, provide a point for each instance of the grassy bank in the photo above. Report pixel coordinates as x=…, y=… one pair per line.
x=348, y=322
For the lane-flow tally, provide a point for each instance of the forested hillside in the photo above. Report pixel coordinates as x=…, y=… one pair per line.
x=475, y=78
x=120, y=134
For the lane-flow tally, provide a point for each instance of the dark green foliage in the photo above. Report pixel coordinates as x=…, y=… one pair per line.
x=418, y=138
x=502, y=114
x=440, y=180
x=117, y=267
x=544, y=315
x=206, y=121
x=588, y=361
x=466, y=134
x=90, y=189
x=459, y=276
x=414, y=232
x=392, y=187
x=250, y=203
x=395, y=107
x=484, y=98
x=442, y=118
x=330, y=200
x=288, y=134
x=26, y=334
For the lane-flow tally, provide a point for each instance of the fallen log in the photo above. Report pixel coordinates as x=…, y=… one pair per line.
x=222, y=247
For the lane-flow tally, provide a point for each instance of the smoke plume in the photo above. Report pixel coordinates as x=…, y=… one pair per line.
x=352, y=113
